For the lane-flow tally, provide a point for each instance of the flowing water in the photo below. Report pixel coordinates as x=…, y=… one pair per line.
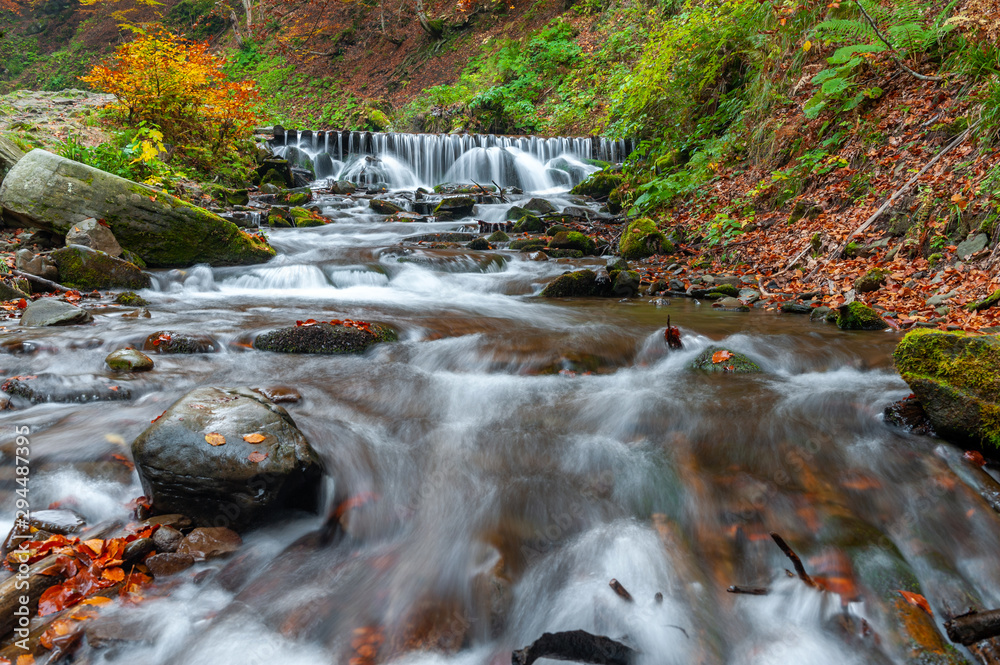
x=514, y=455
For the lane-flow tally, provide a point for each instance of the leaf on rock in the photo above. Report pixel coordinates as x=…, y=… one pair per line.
x=256, y=437
x=257, y=456
x=916, y=600
x=113, y=574
x=721, y=356
x=975, y=457
x=215, y=439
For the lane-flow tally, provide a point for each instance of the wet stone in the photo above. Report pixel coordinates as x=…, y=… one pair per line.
x=129, y=360
x=55, y=388
x=207, y=543
x=169, y=563
x=167, y=538
x=165, y=341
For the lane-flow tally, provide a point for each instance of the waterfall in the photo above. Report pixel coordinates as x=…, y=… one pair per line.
x=531, y=163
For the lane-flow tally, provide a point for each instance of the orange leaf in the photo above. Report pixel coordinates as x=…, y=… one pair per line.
x=113, y=574
x=256, y=437
x=257, y=456
x=99, y=600
x=916, y=600
x=975, y=457
x=215, y=439
x=96, y=545
x=721, y=356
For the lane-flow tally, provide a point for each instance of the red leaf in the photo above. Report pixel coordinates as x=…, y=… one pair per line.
x=975, y=457
x=721, y=356
x=916, y=600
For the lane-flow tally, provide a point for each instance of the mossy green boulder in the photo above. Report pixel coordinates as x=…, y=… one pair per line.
x=859, y=316
x=498, y=236
x=572, y=285
x=529, y=224
x=131, y=299
x=573, y=240
x=641, y=239
x=324, y=338
x=455, y=207
x=956, y=377
x=724, y=361
x=52, y=193
x=527, y=244
x=870, y=281
x=304, y=218
x=385, y=207
x=722, y=290
x=85, y=268
x=599, y=185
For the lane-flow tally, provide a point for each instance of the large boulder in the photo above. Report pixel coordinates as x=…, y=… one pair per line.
x=455, y=207
x=10, y=154
x=91, y=233
x=574, y=285
x=53, y=193
x=85, y=268
x=859, y=316
x=226, y=457
x=956, y=377
x=51, y=312
x=642, y=238
x=324, y=338
x=573, y=240
x=599, y=185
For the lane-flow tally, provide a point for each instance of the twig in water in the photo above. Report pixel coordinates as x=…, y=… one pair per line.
x=794, y=558
x=621, y=591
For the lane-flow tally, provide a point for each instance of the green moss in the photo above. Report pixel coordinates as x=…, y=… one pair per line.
x=479, y=244
x=573, y=240
x=572, y=285
x=859, y=316
x=498, y=236
x=852, y=249
x=556, y=229
x=131, y=299
x=987, y=302
x=871, y=280
x=563, y=253
x=735, y=363
x=529, y=224
x=528, y=244
x=83, y=269
x=306, y=218
x=299, y=198
x=956, y=377
x=599, y=185
x=725, y=290
x=641, y=239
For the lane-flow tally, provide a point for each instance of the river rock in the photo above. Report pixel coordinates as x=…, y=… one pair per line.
x=91, y=233
x=280, y=394
x=39, y=265
x=141, y=313
x=795, y=308
x=859, y=316
x=167, y=538
x=9, y=156
x=207, y=543
x=599, y=185
x=53, y=193
x=956, y=377
x=384, y=207
x=222, y=485
x=324, y=338
x=166, y=341
x=728, y=362
x=130, y=299
x=515, y=213
x=625, y=283
x=165, y=564
x=342, y=187
x=731, y=304
x=455, y=207
x=42, y=388
x=129, y=360
x=52, y=312
x=575, y=284
x=539, y=206
x=10, y=292
x=529, y=224
x=81, y=267
x=53, y=521
x=641, y=239
x=573, y=240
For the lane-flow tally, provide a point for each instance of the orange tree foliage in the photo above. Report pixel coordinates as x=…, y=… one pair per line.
x=178, y=86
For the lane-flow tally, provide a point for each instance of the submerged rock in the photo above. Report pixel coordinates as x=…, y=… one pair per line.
x=129, y=360
x=52, y=312
x=131, y=299
x=956, y=377
x=53, y=193
x=85, y=268
x=384, y=207
x=166, y=341
x=203, y=543
x=199, y=459
x=718, y=359
x=641, y=239
x=859, y=316
x=56, y=388
x=324, y=338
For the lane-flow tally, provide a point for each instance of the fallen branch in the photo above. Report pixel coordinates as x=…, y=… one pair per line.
x=503, y=196
x=621, y=591
x=575, y=645
x=885, y=41
x=41, y=281
x=972, y=627
x=749, y=590
x=899, y=192
x=794, y=558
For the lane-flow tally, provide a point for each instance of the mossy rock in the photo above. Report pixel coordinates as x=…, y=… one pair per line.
x=273, y=177
x=573, y=240
x=529, y=224
x=10, y=292
x=956, y=377
x=572, y=285
x=859, y=316
x=279, y=221
x=455, y=207
x=870, y=281
x=233, y=197
x=131, y=298
x=641, y=239
x=540, y=206
x=616, y=201
x=599, y=185
x=516, y=212
x=324, y=338
x=299, y=198
x=987, y=302
x=306, y=218
x=527, y=244
x=498, y=236
x=479, y=244
x=735, y=363
x=626, y=283
x=556, y=229
x=563, y=253
x=725, y=290
x=85, y=268
x=384, y=207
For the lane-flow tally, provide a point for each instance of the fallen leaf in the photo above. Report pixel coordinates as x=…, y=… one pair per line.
x=916, y=600
x=975, y=457
x=95, y=545
x=257, y=456
x=721, y=356
x=215, y=439
x=98, y=600
x=256, y=437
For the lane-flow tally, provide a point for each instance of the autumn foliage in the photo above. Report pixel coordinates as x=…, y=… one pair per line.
x=166, y=81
